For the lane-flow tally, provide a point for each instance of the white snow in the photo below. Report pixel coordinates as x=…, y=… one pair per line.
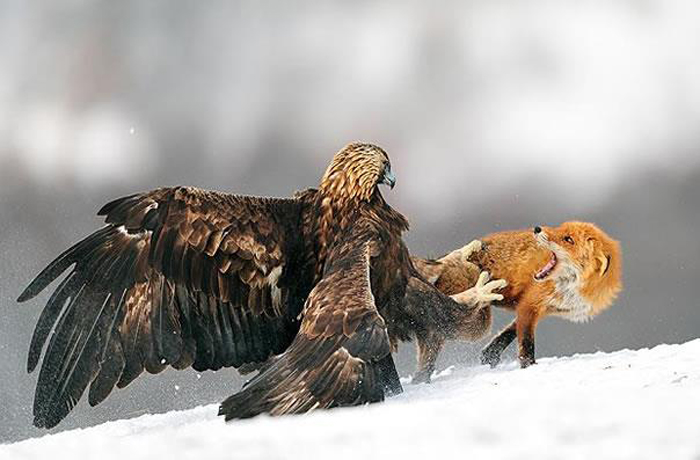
x=623, y=405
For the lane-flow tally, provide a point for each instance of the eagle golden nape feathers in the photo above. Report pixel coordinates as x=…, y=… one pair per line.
x=355, y=171
x=335, y=359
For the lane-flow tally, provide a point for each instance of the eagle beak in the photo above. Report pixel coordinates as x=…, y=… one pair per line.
x=388, y=178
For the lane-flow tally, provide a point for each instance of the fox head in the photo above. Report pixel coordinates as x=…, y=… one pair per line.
x=583, y=250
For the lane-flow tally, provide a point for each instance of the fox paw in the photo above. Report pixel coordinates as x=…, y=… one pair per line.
x=482, y=293
x=421, y=377
x=490, y=357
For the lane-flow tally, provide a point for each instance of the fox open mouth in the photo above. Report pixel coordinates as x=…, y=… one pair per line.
x=547, y=269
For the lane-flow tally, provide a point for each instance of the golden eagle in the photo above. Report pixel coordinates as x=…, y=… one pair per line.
x=184, y=277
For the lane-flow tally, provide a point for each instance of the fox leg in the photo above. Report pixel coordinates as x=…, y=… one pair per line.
x=491, y=354
x=526, y=325
x=428, y=351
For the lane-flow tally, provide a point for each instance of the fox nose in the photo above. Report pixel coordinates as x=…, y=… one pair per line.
x=538, y=229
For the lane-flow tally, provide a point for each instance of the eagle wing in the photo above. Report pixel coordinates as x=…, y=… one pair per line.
x=178, y=276
x=334, y=359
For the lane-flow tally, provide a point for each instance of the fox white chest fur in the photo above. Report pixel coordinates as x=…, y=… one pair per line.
x=567, y=301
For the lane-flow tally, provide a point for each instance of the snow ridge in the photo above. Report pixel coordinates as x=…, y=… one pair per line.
x=628, y=404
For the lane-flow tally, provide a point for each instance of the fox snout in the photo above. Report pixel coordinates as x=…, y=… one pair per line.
x=540, y=235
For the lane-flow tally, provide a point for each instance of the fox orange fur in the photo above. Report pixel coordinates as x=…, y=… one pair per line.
x=572, y=271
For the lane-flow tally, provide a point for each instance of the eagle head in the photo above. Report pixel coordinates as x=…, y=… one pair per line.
x=356, y=171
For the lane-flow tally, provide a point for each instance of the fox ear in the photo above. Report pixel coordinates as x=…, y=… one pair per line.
x=604, y=261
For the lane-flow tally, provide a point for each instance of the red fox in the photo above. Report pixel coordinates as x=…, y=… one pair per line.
x=572, y=271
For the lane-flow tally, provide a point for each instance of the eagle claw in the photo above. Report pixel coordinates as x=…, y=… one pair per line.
x=482, y=293
x=462, y=255
x=471, y=248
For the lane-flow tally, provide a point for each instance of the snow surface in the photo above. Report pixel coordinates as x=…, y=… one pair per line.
x=622, y=405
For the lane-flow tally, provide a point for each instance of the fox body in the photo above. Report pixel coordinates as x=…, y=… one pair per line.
x=572, y=271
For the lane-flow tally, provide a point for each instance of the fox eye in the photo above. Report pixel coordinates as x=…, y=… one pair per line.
x=569, y=240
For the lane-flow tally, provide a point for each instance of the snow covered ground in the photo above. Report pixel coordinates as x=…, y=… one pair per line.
x=623, y=405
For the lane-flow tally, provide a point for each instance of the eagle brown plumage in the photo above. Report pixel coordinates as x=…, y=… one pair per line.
x=184, y=277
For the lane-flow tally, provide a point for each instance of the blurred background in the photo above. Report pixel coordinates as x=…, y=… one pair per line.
x=496, y=114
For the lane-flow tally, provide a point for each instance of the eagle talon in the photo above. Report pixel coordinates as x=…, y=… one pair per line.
x=482, y=293
x=462, y=254
x=471, y=248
